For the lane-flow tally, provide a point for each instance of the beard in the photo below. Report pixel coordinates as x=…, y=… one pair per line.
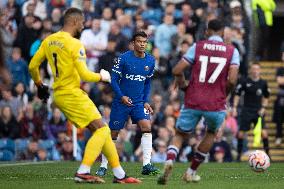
x=77, y=34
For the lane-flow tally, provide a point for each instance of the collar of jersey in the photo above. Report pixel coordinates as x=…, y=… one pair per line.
x=215, y=38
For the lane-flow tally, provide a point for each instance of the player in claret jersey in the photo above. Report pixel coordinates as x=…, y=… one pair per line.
x=215, y=68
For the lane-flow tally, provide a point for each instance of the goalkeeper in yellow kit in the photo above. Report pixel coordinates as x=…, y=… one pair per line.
x=67, y=59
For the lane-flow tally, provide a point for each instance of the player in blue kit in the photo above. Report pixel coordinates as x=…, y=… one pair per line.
x=131, y=84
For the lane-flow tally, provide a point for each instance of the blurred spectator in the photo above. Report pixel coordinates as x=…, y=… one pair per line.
x=160, y=155
x=175, y=56
x=39, y=8
x=18, y=68
x=200, y=33
x=263, y=10
x=118, y=12
x=231, y=123
x=9, y=127
x=14, y=11
x=179, y=37
x=107, y=20
x=123, y=156
x=56, y=19
x=67, y=149
x=160, y=79
x=20, y=93
x=95, y=42
x=157, y=116
x=163, y=135
x=107, y=60
x=124, y=139
x=8, y=31
x=55, y=125
x=28, y=32
x=7, y=149
x=220, y=151
x=31, y=125
x=121, y=40
x=189, y=19
x=100, y=5
x=9, y=100
x=47, y=24
x=213, y=7
x=126, y=25
x=89, y=13
x=163, y=36
x=31, y=152
x=152, y=13
x=171, y=9
x=5, y=78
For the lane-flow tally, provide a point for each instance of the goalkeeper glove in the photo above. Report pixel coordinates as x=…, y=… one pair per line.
x=43, y=92
x=105, y=76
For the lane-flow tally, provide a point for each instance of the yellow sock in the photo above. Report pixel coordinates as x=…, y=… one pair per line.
x=95, y=145
x=109, y=150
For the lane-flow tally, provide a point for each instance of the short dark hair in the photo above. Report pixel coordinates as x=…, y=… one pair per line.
x=71, y=12
x=254, y=63
x=139, y=33
x=215, y=25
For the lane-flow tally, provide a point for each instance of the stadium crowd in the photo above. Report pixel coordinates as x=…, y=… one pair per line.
x=33, y=130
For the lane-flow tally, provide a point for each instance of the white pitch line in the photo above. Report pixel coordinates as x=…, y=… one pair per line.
x=26, y=163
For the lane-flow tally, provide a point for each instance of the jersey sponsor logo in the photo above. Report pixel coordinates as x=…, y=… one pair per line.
x=115, y=71
x=146, y=68
x=135, y=77
x=81, y=52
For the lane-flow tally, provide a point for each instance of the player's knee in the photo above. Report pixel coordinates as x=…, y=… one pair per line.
x=146, y=128
x=96, y=124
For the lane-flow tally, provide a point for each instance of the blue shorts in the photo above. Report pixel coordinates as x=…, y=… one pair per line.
x=120, y=112
x=189, y=119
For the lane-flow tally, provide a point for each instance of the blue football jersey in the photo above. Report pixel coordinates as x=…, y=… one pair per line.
x=131, y=76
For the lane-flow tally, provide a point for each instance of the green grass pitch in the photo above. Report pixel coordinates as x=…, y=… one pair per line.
x=213, y=176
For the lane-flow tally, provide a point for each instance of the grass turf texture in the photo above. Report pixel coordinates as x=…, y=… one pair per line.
x=213, y=176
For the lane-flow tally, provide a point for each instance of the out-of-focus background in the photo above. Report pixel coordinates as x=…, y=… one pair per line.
x=33, y=131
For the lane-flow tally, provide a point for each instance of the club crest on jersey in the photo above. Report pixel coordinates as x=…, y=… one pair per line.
x=81, y=52
x=146, y=111
x=116, y=122
x=146, y=68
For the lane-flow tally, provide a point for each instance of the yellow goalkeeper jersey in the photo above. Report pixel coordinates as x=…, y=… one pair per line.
x=67, y=59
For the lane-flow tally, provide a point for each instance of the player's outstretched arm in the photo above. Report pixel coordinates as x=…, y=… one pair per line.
x=79, y=56
x=178, y=72
x=85, y=74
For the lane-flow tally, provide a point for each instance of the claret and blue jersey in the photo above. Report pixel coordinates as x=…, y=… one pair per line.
x=131, y=77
